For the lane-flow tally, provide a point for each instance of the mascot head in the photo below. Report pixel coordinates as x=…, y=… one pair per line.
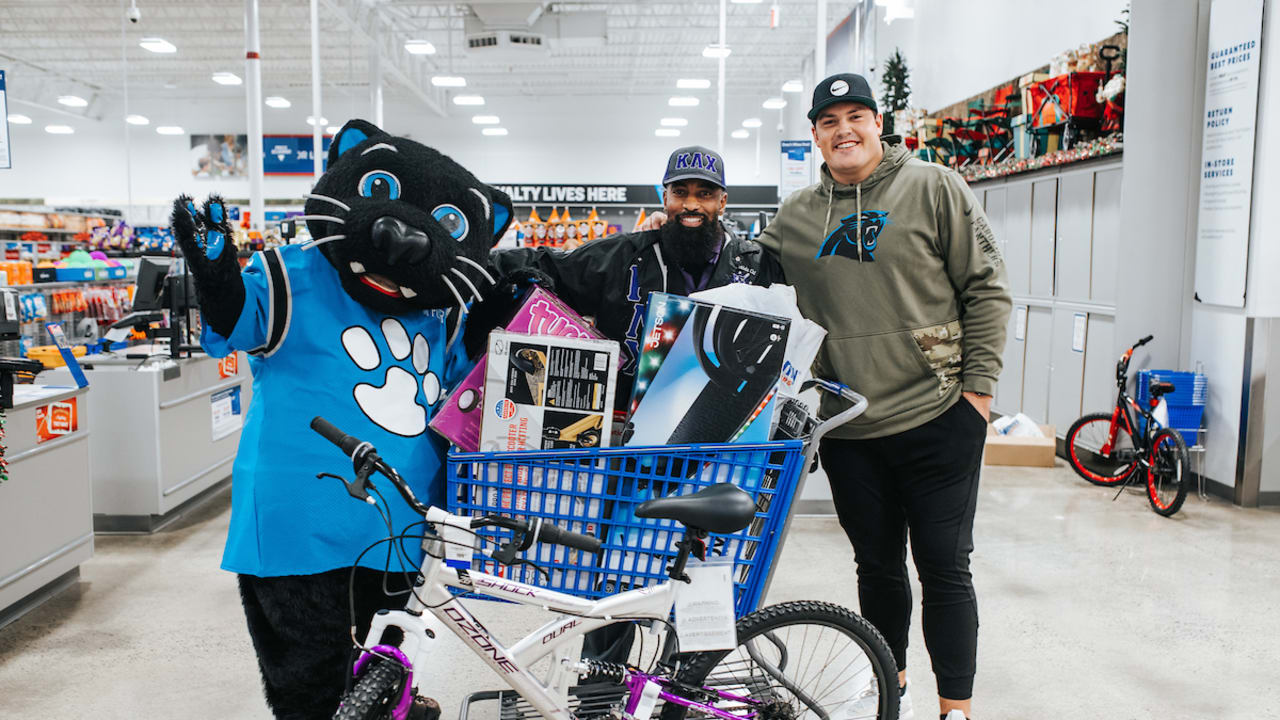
x=407, y=228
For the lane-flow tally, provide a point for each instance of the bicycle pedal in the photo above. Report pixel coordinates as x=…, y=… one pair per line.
x=424, y=708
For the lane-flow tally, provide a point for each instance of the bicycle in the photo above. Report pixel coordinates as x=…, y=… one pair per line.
x=801, y=658
x=1115, y=449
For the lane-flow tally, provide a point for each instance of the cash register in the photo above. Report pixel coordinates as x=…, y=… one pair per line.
x=10, y=330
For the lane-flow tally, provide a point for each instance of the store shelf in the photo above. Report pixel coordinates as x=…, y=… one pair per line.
x=69, y=284
x=47, y=231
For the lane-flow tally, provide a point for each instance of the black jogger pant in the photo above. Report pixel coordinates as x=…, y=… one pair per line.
x=922, y=484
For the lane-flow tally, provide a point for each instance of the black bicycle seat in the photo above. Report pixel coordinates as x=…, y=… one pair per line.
x=720, y=508
x=1160, y=388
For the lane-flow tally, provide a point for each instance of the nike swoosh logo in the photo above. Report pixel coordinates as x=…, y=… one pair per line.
x=968, y=211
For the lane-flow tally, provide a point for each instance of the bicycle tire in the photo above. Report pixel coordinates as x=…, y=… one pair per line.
x=715, y=668
x=375, y=694
x=1167, y=474
x=1087, y=462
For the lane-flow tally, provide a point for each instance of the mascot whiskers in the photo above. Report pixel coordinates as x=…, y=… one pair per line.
x=363, y=325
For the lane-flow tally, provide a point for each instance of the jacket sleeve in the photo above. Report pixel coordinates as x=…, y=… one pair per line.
x=981, y=282
x=579, y=275
x=263, y=318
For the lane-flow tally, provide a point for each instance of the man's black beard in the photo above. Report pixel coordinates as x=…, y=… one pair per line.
x=691, y=247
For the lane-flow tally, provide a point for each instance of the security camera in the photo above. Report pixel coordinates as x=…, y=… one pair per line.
x=133, y=13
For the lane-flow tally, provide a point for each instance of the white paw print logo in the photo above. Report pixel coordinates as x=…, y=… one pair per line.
x=394, y=406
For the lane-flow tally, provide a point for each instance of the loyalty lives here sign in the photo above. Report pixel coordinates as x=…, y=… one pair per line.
x=537, y=194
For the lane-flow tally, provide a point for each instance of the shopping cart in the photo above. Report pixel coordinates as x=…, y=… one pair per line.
x=595, y=491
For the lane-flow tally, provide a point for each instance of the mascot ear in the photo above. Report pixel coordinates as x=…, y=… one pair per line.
x=351, y=135
x=502, y=212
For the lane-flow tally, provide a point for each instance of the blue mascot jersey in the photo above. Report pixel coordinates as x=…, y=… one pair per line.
x=315, y=351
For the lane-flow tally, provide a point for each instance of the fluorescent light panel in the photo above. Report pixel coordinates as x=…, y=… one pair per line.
x=19, y=119
x=716, y=51
x=276, y=101
x=137, y=120
x=774, y=103
x=311, y=120
x=683, y=101
x=227, y=78
x=59, y=129
x=792, y=86
x=332, y=130
x=752, y=123
x=693, y=83
x=739, y=134
x=667, y=132
x=72, y=101
x=157, y=45
x=468, y=100
x=673, y=122
x=448, y=81
x=419, y=47
x=494, y=131
x=485, y=119
x=170, y=130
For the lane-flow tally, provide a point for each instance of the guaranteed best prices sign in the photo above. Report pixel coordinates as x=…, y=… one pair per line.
x=1226, y=164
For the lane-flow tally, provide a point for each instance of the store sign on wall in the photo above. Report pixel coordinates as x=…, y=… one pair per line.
x=6, y=161
x=56, y=420
x=763, y=195
x=291, y=154
x=797, y=167
x=1226, y=167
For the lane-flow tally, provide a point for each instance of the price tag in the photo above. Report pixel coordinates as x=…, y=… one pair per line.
x=704, y=608
x=459, y=545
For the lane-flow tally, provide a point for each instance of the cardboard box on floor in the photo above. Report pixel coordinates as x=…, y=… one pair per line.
x=1027, y=451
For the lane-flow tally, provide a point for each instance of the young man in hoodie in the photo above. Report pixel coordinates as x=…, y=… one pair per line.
x=894, y=257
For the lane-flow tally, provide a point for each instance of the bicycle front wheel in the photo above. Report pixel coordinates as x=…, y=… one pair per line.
x=1169, y=473
x=1098, y=457
x=376, y=694
x=803, y=659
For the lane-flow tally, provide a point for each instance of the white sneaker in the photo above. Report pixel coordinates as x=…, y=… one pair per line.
x=905, y=711
x=956, y=715
x=866, y=706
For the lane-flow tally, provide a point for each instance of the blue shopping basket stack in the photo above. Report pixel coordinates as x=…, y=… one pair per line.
x=1186, y=402
x=596, y=491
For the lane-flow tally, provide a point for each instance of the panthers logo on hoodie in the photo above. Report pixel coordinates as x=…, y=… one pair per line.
x=845, y=240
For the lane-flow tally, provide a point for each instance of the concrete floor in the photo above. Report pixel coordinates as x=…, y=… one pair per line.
x=1090, y=609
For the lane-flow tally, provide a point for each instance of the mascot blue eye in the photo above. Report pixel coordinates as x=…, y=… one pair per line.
x=452, y=220
x=379, y=185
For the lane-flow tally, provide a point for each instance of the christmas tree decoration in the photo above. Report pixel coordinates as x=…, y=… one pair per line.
x=897, y=90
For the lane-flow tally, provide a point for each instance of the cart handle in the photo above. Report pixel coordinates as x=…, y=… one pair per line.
x=859, y=406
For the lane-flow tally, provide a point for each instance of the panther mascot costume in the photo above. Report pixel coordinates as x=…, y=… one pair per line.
x=364, y=324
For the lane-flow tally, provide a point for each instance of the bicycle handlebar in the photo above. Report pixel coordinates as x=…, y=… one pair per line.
x=1144, y=341
x=545, y=531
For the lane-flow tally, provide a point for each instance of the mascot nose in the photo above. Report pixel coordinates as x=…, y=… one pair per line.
x=400, y=241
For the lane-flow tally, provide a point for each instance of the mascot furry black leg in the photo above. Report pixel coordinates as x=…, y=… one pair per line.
x=364, y=325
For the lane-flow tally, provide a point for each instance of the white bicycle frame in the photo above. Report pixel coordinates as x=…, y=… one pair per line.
x=577, y=617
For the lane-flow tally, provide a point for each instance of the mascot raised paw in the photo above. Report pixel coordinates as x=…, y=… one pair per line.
x=364, y=326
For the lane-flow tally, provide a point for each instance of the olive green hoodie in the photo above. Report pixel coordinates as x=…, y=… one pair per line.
x=904, y=273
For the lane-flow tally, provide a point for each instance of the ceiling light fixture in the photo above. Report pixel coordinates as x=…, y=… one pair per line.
x=774, y=103
x=747, y=2
x=276, y=101
x=739, y=134
x=448, y=81
x=227, y=78
x=157, y=45
x=71, y=101
x=137, y=120
x=716, y=51
x=485, y=119
x=667, y=132
x=492, y=132
x=683, y=101
x=311, y=120
x=170, y=130
x=19, y=119
x=792, y=86
x=468, y=100
x=332, y=130
x=673, y=122
x=752, y=123
x=59, y=129
x=419, y=47
x=693, y=83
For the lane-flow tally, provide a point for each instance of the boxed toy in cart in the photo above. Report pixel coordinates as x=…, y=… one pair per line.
x=707, y=373
x=540, y=314
x=546, y=392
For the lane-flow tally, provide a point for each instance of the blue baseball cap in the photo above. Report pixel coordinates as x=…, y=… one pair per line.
x=695, y=163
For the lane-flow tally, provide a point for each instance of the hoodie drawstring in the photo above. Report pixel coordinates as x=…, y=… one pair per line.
x=859, y=186
x=827, y=223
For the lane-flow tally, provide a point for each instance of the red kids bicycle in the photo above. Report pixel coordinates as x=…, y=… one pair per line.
x=1129, y=445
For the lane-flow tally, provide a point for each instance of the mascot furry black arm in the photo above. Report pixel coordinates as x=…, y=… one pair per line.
x=360, y=325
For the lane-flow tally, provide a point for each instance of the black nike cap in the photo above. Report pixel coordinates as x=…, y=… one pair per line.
x=841, y=88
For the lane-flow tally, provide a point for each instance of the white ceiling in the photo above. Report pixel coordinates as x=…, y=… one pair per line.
x=55, y=47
